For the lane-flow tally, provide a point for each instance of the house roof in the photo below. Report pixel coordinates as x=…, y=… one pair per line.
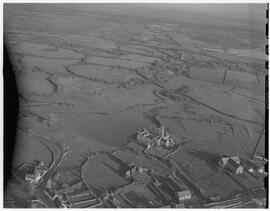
x=236, y=159
x=49, y=192
x=233, y=163
x=30, y=176
x=225, y=159
x=183, y=193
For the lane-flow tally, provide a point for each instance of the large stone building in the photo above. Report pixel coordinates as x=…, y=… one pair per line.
x=159, y=137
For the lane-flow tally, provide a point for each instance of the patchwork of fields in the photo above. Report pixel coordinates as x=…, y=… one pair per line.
x=91, y=77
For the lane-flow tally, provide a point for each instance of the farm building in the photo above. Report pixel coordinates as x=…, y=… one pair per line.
x=253, y=166
x=36, y=204
x=183, y=195
x=135, y=171
x=50, y=193
x=86, y=204
x=235, y=167
x=223, y=161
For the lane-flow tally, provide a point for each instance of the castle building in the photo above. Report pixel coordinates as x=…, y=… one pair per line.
x=158, y=138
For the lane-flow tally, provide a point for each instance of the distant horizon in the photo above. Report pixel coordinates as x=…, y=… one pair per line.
x=244, y=13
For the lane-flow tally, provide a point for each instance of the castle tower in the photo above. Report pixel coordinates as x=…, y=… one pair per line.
x=167, y=144
x=163, y=132
x=159, y=141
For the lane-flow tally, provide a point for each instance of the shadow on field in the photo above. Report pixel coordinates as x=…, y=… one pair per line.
x=11, y=105
x=212, y=160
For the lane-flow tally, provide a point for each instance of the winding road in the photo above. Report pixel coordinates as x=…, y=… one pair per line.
x=58, y=154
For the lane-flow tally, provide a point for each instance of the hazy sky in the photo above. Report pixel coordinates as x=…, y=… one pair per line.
x=235, y=14
x=240, y=11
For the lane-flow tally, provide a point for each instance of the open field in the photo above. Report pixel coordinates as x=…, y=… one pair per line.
x=91, y=76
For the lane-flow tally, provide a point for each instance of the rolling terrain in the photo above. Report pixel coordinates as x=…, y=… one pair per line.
x=90, y=76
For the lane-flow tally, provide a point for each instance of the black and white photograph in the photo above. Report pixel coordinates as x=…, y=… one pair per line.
x=135, y=105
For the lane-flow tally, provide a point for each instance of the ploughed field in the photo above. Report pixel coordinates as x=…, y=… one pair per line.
x=89, y=78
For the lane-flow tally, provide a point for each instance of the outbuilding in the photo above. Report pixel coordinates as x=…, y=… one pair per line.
x=184, y=195
x=235, y=167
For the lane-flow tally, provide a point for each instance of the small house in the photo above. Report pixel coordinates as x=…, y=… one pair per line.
x=223, y=161
x=128, y=174
x=253, y=166
x=234, y=167
x=261, y=170
x=30, y=177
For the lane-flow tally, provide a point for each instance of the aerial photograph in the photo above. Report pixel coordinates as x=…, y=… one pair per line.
x=135, y=105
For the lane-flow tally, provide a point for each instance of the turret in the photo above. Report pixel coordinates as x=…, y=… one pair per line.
x=162, y=131
x=167, y=144
x=158, y=141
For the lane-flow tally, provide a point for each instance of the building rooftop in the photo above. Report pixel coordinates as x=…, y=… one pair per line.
x=85, y=204
x=49, y=192
x=79, y=198
x=232, y=163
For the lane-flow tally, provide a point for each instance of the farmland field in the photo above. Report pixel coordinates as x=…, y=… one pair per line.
x=90, y=76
